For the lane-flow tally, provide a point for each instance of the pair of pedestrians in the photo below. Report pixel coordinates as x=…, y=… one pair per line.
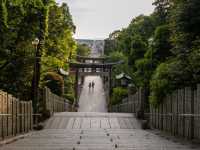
x=91, y=85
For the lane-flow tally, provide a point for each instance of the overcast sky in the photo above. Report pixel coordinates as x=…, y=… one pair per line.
x=96, y=19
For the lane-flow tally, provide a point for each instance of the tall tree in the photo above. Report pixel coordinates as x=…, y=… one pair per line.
x=21, y=21
x=162, y=10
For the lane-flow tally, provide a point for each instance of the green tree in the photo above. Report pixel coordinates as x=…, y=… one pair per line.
x=54, y=82
x=59, y=44
x=162, y=10
x=118, y=95
x=83, y=50
x=21, y=21
x=185, y=23
x=138, y=49
x=116, y=57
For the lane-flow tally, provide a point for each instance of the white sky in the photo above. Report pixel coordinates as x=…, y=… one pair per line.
x=96, y=19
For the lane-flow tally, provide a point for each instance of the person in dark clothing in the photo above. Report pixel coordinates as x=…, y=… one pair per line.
x=90, y=85
x=93, y=84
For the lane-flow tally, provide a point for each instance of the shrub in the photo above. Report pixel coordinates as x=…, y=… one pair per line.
x=159, y=84
x=119, y=68
x=118, y=95
x=54, y=82
x=70, y=97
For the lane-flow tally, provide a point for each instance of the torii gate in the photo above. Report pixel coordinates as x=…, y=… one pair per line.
x=85, y=59
x=88, y=66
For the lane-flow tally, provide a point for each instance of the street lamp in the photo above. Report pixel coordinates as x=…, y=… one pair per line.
x=35, y=81
x=36, y=42
x=151, y=42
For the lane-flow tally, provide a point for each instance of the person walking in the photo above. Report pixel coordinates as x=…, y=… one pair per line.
x=89, y=85
x=93, y=84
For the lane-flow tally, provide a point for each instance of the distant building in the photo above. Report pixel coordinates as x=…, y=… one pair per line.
x=122, y=80
x=97, y=46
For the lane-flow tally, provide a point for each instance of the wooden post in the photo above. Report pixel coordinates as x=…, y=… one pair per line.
x=1, y=117
x=162, y=117
x=30, y=113
x=197, y=122
x=181, y=120
x=27, y=116
x=196, y=107
x=18, y=117
x=5, y=108
x=10, y=115
x=14, y=116
x=175, y=113
x=188, y=110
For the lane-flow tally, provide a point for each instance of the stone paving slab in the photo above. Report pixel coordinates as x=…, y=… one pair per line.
x=102, y=139
x=93, y=114
x=92, y=100
x=75, y=133
x=83, y=120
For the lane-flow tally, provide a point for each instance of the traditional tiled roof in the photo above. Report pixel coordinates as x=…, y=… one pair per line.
x=123, y=75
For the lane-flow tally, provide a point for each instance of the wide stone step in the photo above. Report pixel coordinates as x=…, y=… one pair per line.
x=90, y=120
x=84, y=131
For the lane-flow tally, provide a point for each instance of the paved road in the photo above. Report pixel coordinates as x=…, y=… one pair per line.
x=95, y=131
x=92, y=100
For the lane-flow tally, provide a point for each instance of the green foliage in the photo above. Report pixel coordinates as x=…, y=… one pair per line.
x=135, y=36
x=194, y=65
x=4, y=14
x=111, y=42
x=138, y=49
x=116, y=57
x=159, y=85
x=133, y=43
x=110, y=46
x=69, y=97
x=163, y=48
x=118, y=95
x=168, y=76
x=17, y=52
x=162, y=10
x=69, y=88
x=21, y=21
x=83, y=50
x=185, y=23
x=161, y=43
x=143, y=26
x=143, y=72
x=59, y=44
x=54, y=82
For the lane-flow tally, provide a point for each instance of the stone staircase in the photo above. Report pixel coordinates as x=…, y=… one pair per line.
x=94, y=131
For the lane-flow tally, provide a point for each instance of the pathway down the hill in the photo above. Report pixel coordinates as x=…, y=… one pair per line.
x=94, y=131
x=92, y=100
